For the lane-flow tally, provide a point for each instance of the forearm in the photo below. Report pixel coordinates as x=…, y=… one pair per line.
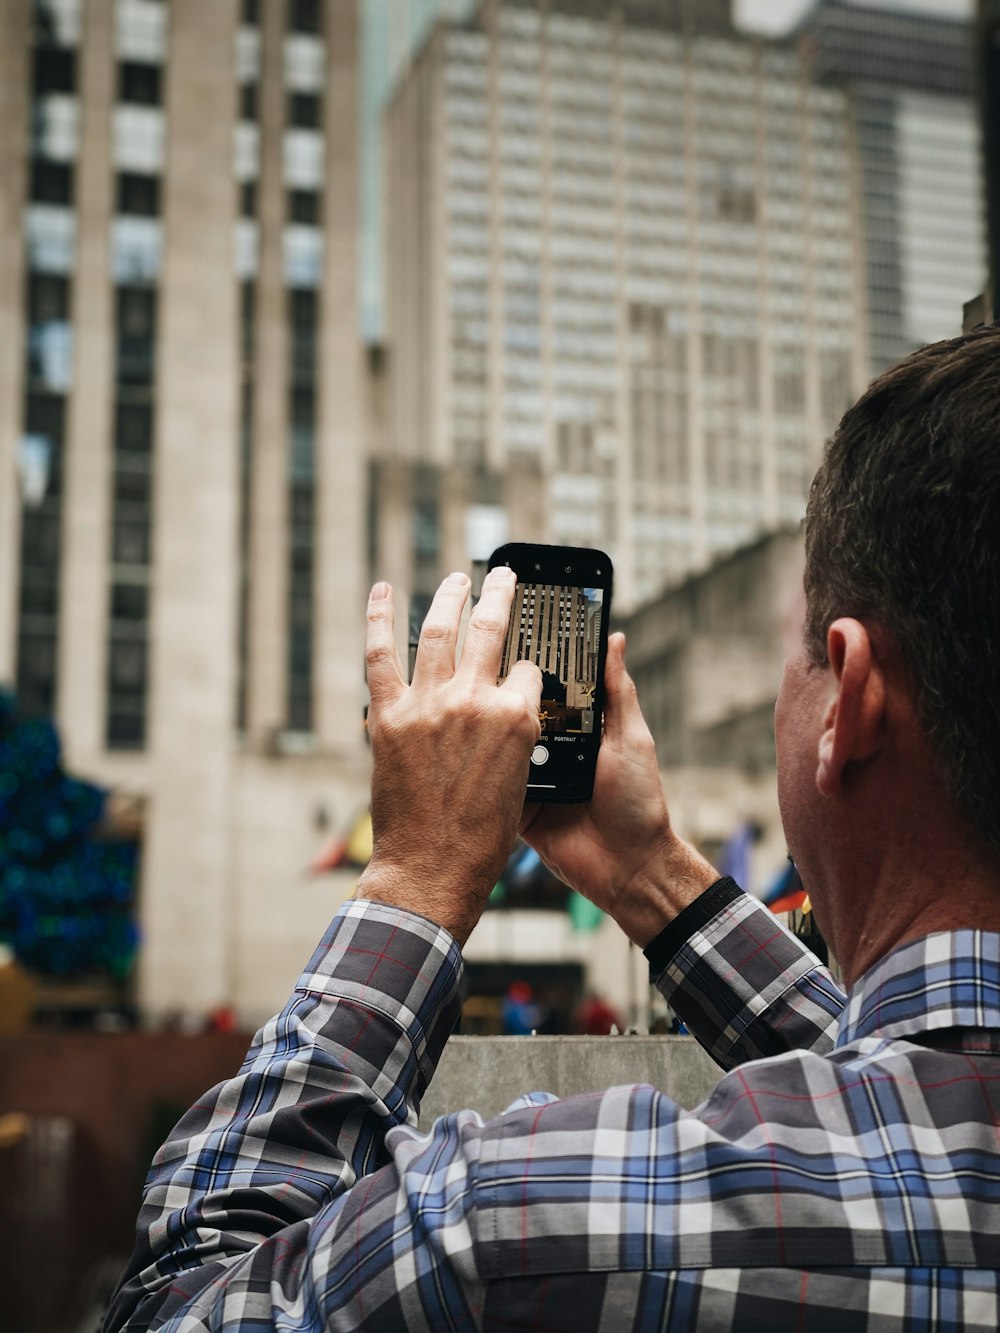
x=252, y=1165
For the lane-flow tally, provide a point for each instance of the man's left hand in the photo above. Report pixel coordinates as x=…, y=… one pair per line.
x=451, y=753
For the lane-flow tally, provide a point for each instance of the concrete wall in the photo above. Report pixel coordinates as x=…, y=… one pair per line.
x=488, y=1073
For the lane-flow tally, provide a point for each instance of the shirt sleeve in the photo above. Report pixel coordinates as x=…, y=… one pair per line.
x=284, y=1191
x=742, y=983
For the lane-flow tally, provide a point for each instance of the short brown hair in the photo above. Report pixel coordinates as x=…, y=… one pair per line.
x=903, y=527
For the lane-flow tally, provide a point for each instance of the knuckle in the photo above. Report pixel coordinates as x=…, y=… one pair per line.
x=377, y=653
x=434, y=632
x=489, y=624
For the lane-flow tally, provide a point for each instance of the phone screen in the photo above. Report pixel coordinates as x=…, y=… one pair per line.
x=559, y=621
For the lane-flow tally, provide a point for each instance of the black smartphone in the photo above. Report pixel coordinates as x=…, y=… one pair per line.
x=560, y=618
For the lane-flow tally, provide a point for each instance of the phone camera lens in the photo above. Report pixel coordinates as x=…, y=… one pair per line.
x=569, y=569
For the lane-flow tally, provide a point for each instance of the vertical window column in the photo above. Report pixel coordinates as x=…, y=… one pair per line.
x=303, y=317
x=131, y=519
x=248, y=306
x=41, y=521
x=48, y=359
x=305, y=63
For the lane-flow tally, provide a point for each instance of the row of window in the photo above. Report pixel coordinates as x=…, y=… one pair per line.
x=140, y=83
x=303, y=15
x=138, y=194
x=304, y=207
x=304, y=110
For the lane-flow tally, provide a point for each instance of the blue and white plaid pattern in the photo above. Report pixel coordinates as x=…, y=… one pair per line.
x=850, y=1180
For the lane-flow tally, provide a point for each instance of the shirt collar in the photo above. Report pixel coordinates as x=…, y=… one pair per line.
x=946, y=980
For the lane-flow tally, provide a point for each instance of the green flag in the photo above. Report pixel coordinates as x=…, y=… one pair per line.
x=582, y=912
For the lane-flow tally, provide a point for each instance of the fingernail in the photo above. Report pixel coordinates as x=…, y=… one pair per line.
x=379, y=593
x=457, y=580
x=502, y=571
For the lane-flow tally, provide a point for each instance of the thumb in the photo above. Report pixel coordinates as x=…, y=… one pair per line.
x=624, y=725
x=620, y=699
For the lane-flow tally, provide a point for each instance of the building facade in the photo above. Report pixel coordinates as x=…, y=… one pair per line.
x=623, y=301
x=181, y=437
x=989, y=89
x=707, y=658
x=912, y=78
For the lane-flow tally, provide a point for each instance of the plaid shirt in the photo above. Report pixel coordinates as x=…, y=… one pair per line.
x=849, y=1180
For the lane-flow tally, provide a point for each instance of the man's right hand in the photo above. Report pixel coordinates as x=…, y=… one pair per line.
x=618, y=848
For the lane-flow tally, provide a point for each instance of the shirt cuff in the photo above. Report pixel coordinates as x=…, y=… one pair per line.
x=660, y=951
x=394, y=963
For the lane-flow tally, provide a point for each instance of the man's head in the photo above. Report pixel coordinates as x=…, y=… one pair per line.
x=903, y=529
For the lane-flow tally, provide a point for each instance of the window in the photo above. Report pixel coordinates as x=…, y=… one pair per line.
x=304, y=308
x=134, y=427
x=248, y=102
x=55, y=70
x=304, y=206
x=48, y=298
x=303, y=312
x=136, y=331
x=139, y=83
x=127, y=672
x=133, y=480
x=251, y=13
x=129, y=602
x=138, y=194
x=36, y=672
x=305, y=16
x=130, y=542
x=39, y=563
x=136, y=312
x=128, y=666
x=248, y=307
x=248, y=199
x=51, y=182
x=45, y=416
x=304, y=110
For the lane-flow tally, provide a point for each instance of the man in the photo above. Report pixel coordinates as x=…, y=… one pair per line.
x=846, y=1171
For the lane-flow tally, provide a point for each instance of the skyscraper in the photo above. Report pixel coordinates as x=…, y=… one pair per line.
x=181, y=530
x=911, y=77
x=989, y=46
x=391, y=32
x=622, y=303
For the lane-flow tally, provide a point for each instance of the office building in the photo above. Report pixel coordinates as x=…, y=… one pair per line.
x=181, y=450
x=392, y=31
x=913, y=84
x=707, y=657
x=989, y=89
x=557, y=628
x=623, y=306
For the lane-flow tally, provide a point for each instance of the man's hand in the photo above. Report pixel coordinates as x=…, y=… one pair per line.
x=450, y=752
x=618, y=848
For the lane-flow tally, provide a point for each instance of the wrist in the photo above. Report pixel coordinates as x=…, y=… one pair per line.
x=456, y=908
x=662, y=890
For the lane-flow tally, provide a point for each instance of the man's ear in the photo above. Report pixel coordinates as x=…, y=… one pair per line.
x=853, y=726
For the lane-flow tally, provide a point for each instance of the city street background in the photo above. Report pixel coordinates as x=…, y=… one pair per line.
x=299, y=294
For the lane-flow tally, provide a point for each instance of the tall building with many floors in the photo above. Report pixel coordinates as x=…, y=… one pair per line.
x=181, y=450
x=912, y=80
x=624, y=300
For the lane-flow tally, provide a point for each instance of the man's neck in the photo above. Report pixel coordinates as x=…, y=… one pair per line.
x=878, y=914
